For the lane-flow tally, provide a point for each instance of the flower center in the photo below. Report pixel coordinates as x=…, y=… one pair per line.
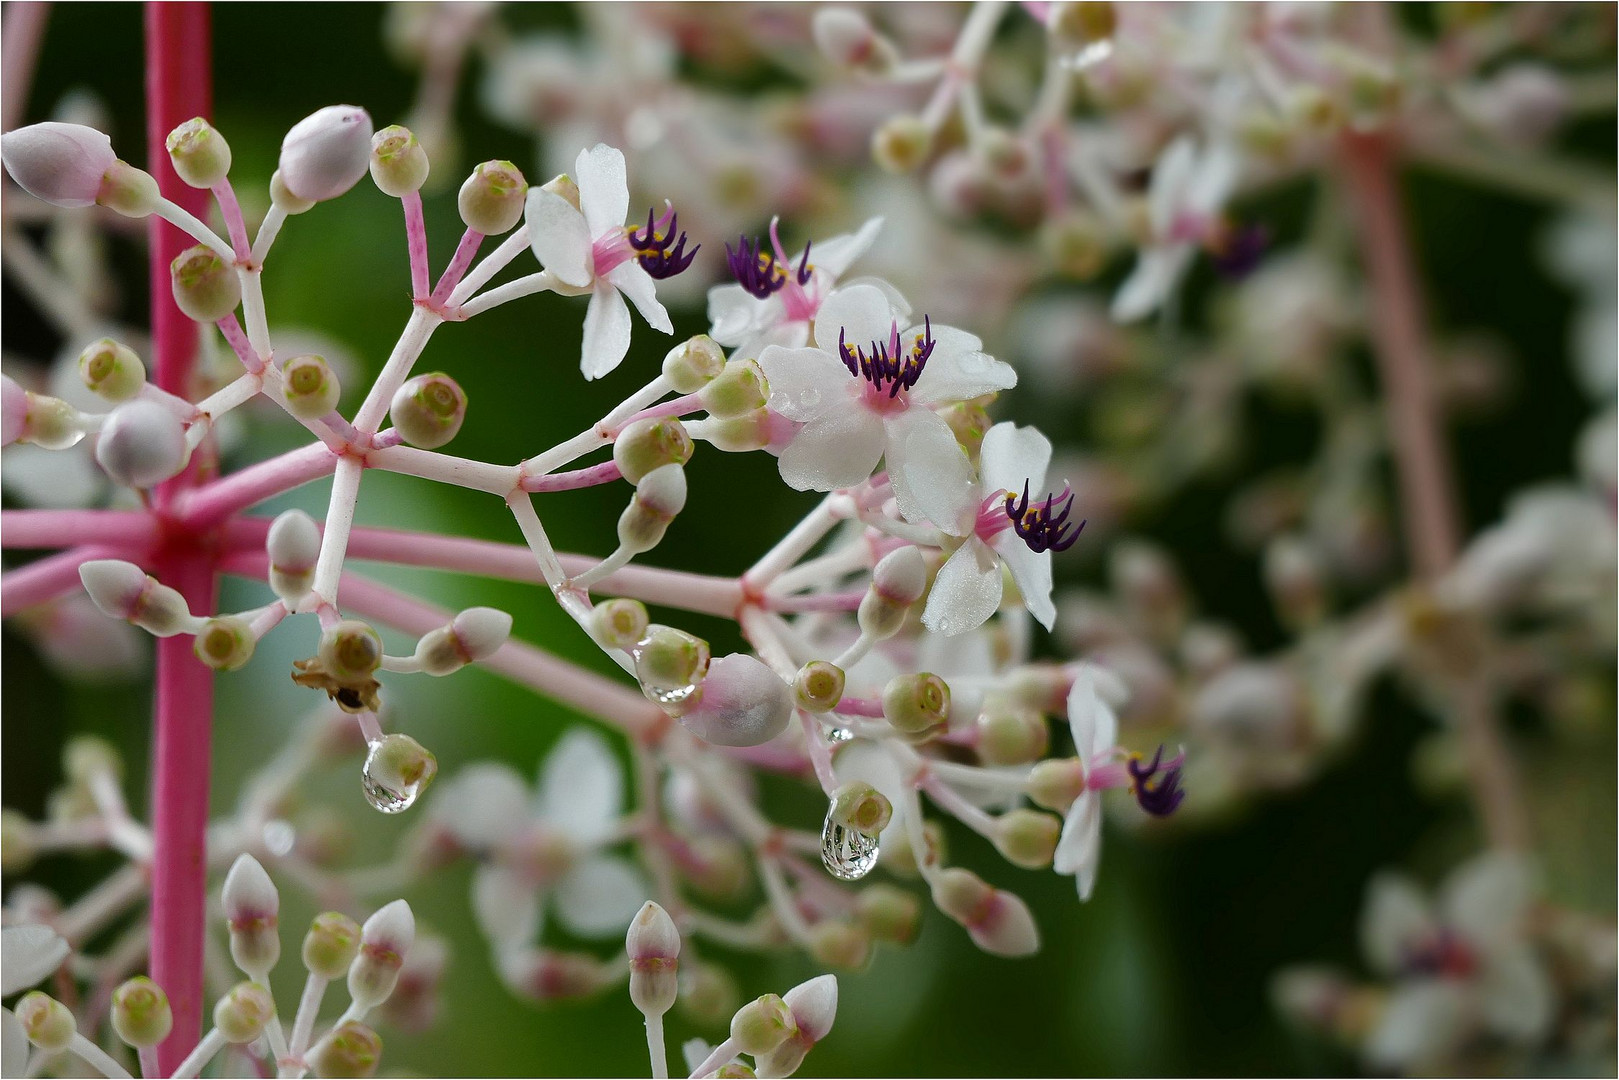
x=1157, y=785
x=660, y=254
x=1041, y=525
x=762, y=273
x=1443, y=955
x=887, y=368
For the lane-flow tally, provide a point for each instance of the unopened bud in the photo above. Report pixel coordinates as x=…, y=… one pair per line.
x=548, y=975
x=722, y=870
x=48, y=1023
x=1008, y=736
x=818, y=686
x=1057, y=783
x=352, y=1050
x=121, y=590
x=398, y=163
x=331, y=945
x=739, y=389
x=63, y=164
x=225, y=642
x=814, y=1005
x=859, y=806
x=1027, y=838
x=751, y=431
x=1083, y=23
x=384, y=940
x=669, y=664
x=897, y=581
x=654, y=950
x=130, y=191
x=659, y=496
x=242, y=1014
x=399, y=766
x=901, y=144
x=199, y=153
x=350, y=650
x=618, y=623
x=284, y=198
x=428, y=410
x=693, y=364
x=50, y=422
x=742, y=703
x=140, y=1012
x=916, y=704
x=141, y=444
x=889, y=913
x=310, y=387
x=251, y=905
x=293, y=545
x=205, y=286
x=326, y=153
x=649, y=444
x=840, y=944
x=112, y=370
x=997, y=921
x=491, y=199
x=846, y=37
x=87, y=757
x=762, y=1025
x=473, y=635
x=564, y=188
x=969, y=421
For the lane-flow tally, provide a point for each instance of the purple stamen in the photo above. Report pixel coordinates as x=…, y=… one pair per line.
x=658, y=252
x=1158, y=795
x=804, y=271
x=754, y=268
x=885, y=364
x=1040, y=529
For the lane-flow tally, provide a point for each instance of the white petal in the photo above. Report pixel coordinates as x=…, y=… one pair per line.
x=581, y=791
x=1211, y=185
x=1396, y=917
x=896, y=299
x=506, y=906
x=14, y=1044
x=637, y=284
x=804, y=383
x=814, y=1005
x=861, y=313
x=1155, y=275
x=734, y=314
x=957, y=373
x=1011, y=455
x=1091, y=721
x=482, y=804
x=1486, y=897
x=930, y=472
x=559, y=236
x=1419, y=1019
x=28, y=953
x=1515, y=994
x=1079, y=848
x=837, y=254
x=607, y=332
x=966, y=592
x=599, y=897
x=837, y=450
x=604, y=191
x=1171, y=176
x=1032, y=572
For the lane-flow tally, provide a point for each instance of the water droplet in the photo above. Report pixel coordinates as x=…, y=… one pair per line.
x=1089, y=55
x=387, y=798
x=847, y=853
x=809, y=398
x=839, y=734
x=656, y=662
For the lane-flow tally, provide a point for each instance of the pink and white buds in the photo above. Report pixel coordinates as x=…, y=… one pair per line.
x=997, y=921
x=473, y=635
x=897, y=581
x=124, y=591
x=742, y=703
x=326, y=153
x=140, y=1012
x=251, y=905
x=112, y=370
x=142, y=444
x=310, y=387
x=654, y=949
x=428, y=410
x=199, y=153
x=205, y=285
x=293, y=545
x=814, y=1006
x=62, y=164
x=491, y=199
x=384, y=940
x=660, y=495
x=242, y=1014
x=398, y=162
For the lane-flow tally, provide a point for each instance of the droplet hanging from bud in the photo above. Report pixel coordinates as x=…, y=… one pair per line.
x=847, y=853
x=397, y=770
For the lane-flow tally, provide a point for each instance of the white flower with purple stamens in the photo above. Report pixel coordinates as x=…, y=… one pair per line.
x=776, y=298
x=867, y=389
x=588, y=248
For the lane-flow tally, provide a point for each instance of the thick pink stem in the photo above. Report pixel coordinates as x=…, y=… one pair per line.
x=212, y=503
x=843, y=601
x=231, y=211
x=679, y=406
x=24, y=30
x=237, y=339
x=46, y=579
x=595, y=475
x=58, y=528
x=416, y=242
x=465, y=252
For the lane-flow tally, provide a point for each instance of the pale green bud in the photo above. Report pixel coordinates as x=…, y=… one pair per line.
x=659, y=496
x=310, y=387
x=140, y=1012
x=669, y=663
x=331, y=945
x=762, y=1025
x=840, y=944
x=693, y=364
x=48, y=1023
x=284, y=197
x=741, y=434
x=242, y=1014
x=859, y=806
x=1057, y=783
x=205, y=286
x=708, y=994
x=889, y=913
x=916, y=704
x=818, y=687
x=491, y=199
x=225, y=642
x=739, y=389
x=1027, y=838
x=648, y=444
x=428, y=410
x=51, y=422
x=112, y=370
x=199, y=153
x=350, y=650
x=619, y=623
x=130, y=191
x=353, y=1050
x=901, y=144
x=1008, y=736
x=398, y=162
x=564, y=188
x=88, y=756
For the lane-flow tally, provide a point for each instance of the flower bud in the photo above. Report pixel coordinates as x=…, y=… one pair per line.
x=548, y=975
x=251, y=905
x=899, y=858
x=654, y=949
x=18, y=845
x=1057, y=783
x=1076, y=245
x=112, y=370
x=491, y=199
x=742, y=703
x=142, y=444
x=13, y=410
x=48, y=1023
x=398, y=161
x=200, y=154
x=293, y=544
x=130, y=191
x=669, y=664
x=310, y=387
x=121, y=590
x=618, y=623
x=384, y=940
x=352, y=1050
x=350, y=650
x=428, y=410
x=845, y=37
x=1027, y=838
x=859, y=806
x=897, y=581
x=840, y=944
x=205, y=286
x=283, y=197
x=969, y=421
x=693, y=364
x=740, y=388
x=564, y=188
x=997, y=921
x=326, y=152
x=60, y=163
x=331, y=945
x=814, y=1005
x=242, y=1014
x=1008, y=736
x=916, y=704
x=659, y=496
x=649, y=444
x=722, y=870
x=472, y=635
x=140, y=1012
x=757, y=430
x=86, y=757
x=762, y=1025
x=818, y=687
x=707, y=993
x=889, y=913
x=735, y=1070
x=50, y=422
x=225, y=642
x=901, y=144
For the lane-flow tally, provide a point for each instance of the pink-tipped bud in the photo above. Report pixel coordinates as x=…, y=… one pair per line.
x=897, y=581
x=473, y=635
x=654, y=949
x=814, y=1006
x=62, y=164
x=997, y=921
x=122, y=590
x=142, y=444
x=385, y=938
x=251, y=905
x=326, y=153
x=743, y=703
x=659, y=496
x=293, y=545
x=13, y=410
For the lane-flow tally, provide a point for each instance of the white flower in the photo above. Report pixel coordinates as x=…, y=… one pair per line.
x=749, y=323
x=865, y=389
x=548, y=844
x=1187, y=192
x=1012, y=463
x=588, y=248
x=1095, y=728
x=28, y=953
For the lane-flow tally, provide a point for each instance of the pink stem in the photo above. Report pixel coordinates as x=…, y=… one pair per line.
x=179, y=86
x=237, y=338
x=465, y=252
x=46, y=579
x=231, y=211
x=212, y=503
x=679, y=406
x=58, y=528
x=416, y=241
x=24, y=30
x=605, y=473
x=820, y=754
x=843, y=601
x=854, y=706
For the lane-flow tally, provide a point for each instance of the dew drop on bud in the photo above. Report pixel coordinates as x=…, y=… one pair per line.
x=839, y=734
x=847, y=854
x=396, y=771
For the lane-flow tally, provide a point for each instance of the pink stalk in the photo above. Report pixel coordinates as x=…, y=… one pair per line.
x=237, y=338
x=843, y=601
x=212, y=503
x=416, y=241
x=178, y=87
x=46, y=579
x=231, y=211
x=679, y=406
x=853, y=706
x=605, y=473
x=24, y=31
x=465, y=252
x=52, y=528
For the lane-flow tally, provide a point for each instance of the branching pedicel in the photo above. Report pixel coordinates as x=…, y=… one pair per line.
x=870, y=620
